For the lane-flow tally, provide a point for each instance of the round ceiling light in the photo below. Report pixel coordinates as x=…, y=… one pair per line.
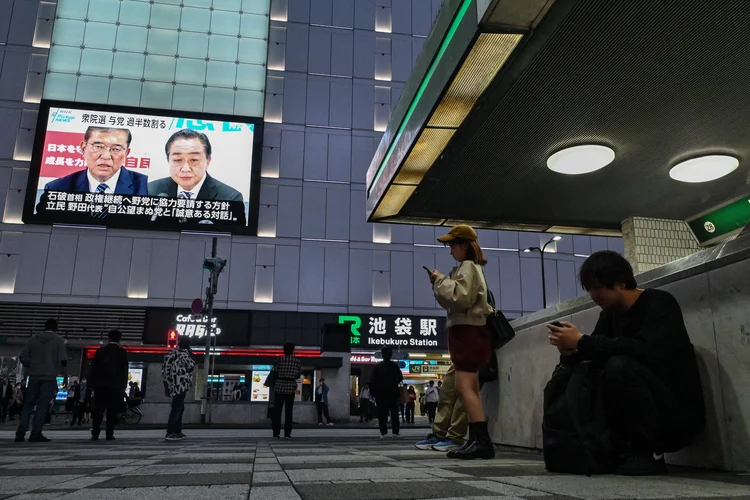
x=580, y=159
x=704, y=168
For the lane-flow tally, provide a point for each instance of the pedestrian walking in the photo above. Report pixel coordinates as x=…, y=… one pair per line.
x=463, y=294
x=321, y=402
x=177, y=374
x=384, y=385
x=411, y=399
x=432, y=397
x=44, y=357
x=288, y=370
x=365, y=414
x=109, y=381
x=81, y=400
x=6, y=397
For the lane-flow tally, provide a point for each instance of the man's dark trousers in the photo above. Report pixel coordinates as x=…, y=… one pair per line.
x=174, y=424
x=287, y=401
x=110, y=401
x=644, y=414
x=388, y=407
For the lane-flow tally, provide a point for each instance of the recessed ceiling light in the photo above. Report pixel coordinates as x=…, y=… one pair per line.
x=580, y=159
x=704, y=168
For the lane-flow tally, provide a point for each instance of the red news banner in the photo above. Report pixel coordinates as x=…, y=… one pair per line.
x=62, y=156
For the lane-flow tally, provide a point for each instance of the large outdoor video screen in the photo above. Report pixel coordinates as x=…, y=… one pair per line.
x=144, y=169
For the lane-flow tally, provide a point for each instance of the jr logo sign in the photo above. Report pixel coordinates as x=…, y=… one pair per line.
x=354, y=323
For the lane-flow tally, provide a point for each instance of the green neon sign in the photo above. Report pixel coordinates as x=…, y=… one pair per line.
x=354, y=322
x=722, y=221
x=422, y=87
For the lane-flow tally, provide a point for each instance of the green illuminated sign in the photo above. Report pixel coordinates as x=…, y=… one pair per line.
x=722, y=221
x=354, y=324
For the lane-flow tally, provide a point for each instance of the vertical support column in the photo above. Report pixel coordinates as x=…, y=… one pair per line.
x=651, y=243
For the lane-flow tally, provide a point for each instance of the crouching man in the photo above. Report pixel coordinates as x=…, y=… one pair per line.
x=652, y=396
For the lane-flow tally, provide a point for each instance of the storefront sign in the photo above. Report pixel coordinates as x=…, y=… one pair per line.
x=395, y=331
x=231, y=328
x=362, y=359
x=195, y=326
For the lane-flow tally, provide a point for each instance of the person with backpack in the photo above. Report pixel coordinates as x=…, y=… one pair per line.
x=464, y=296
x=636, y=376
x=109, y=380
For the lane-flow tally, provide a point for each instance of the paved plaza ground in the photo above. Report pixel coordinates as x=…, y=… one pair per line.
x=318, y=464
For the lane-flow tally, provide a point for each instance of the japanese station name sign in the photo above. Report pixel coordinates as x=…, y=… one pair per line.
x=375, y=331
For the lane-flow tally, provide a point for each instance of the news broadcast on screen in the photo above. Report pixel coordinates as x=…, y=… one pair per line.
x=112, y=166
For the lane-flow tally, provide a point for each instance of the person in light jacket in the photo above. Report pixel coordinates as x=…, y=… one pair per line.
x=463, y=294
x=321, y=402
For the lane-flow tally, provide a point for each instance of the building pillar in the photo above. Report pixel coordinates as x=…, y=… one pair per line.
x=651, y=243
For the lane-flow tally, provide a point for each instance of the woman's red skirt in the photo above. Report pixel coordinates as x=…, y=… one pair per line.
x=470, y=347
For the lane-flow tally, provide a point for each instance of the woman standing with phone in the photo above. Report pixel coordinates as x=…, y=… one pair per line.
x=463, y=294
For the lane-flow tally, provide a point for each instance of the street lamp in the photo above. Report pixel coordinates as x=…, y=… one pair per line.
x=541, y=251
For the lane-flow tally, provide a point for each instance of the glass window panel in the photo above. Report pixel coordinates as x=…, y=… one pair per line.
x=261, y=7
x=253, y=51
x=92, y=89
x=191, y=71
x=99, y=35
x=72, y=9
x=193, y=45
x=162, y=41
x=165, y=16
x=135, y=13
x=59, y=86
x=248, y=103
x=195, y=19
x=225, y=23
x=219, y=100
x=106, y=11
x=169, y=2
x=125, y=92
x=251, y=76
x=68, y=32
x=234, y=5
x=131, y=38
x=188, y=98
x=128, y=65
x=254, y=26
x=221, y=74
x=64, y=59
x=159, y=68
x=156, y=95
x=223, y=48
x=198, y=3
x=96, y=62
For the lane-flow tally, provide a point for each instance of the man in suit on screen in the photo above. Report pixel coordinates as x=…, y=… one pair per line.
x=189, y=155
x=104, y=152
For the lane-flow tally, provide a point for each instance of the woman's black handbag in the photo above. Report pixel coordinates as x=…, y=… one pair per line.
x=500, y=330
x=271, y=378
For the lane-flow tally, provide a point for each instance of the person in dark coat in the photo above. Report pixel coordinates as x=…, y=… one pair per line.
x=653, y=393
x=109, y=380
x=384, y=385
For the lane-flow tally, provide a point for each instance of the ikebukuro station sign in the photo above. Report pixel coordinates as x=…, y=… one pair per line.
x=396, y=331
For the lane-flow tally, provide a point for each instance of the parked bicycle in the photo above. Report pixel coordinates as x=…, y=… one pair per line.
x=132, y=414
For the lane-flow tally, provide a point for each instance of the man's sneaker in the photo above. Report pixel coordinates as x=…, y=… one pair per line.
x=427, y=443
x=320, y=424
x=330, y=424
x=643, y=464
x=172, y=437
x=397, y=436
x=20, y=438
x=181, y=435
x=384, y=436
x=38, y=438
x=446, y=445
x=288, y=438
x=109, y=438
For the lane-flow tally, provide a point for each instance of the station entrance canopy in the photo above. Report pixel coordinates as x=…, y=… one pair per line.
x=501, y=85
